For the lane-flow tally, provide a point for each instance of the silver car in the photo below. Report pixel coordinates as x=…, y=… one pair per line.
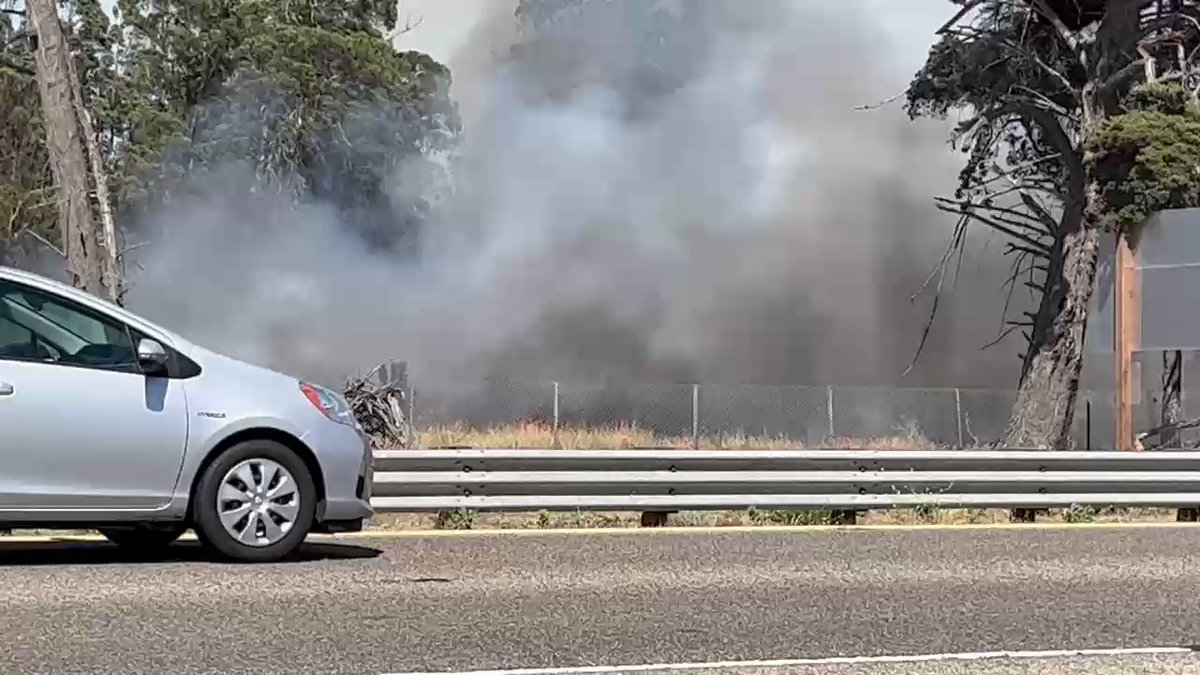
x=110, y=422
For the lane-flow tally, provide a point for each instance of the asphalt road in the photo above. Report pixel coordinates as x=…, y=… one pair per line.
x=450, y=603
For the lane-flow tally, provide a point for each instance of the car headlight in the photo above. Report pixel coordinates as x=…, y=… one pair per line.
x=330, y=403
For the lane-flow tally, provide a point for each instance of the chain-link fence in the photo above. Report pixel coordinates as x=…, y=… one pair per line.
x=961, y=417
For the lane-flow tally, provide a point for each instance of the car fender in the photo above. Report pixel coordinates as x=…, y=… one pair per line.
x=201, y=445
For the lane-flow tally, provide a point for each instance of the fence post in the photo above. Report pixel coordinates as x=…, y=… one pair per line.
x=556, y=407
x=959, y=416
x=695, y=417
x=414, y=440
x=1087, y=432
x=829, y=410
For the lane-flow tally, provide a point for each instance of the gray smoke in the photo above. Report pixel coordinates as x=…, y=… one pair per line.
x=744, y=225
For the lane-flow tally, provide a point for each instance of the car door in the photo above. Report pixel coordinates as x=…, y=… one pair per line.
x=81, y=428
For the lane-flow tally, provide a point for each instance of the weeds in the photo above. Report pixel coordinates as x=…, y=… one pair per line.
x=1080, y=514
x=789, y=518
x=926, y=512
x=459, y=519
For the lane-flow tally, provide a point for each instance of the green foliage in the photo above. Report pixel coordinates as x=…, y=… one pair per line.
x=1078, y=513
x=26, y=185
x=926, y=512
x=1147, y=159
x=1170, y=98
x=310, y=94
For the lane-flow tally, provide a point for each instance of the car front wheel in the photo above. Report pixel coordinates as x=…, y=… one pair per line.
x=255, y=502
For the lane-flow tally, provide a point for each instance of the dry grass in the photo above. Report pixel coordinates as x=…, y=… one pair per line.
x=624, y=437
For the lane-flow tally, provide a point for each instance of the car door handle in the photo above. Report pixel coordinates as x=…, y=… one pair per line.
x=7, y=389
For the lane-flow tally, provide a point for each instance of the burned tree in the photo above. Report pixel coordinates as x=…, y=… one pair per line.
x=381, y=404
x=1038, y=82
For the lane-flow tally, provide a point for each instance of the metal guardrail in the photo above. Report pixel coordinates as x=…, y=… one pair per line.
x=679, y=480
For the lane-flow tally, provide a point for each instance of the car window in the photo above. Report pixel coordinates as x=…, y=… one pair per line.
x=16, y=341
x=43, y=327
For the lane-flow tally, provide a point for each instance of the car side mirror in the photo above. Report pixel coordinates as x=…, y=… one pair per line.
x=151, y=356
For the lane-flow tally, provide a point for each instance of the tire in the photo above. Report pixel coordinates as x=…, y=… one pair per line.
x=231, y=471
x=144, y=536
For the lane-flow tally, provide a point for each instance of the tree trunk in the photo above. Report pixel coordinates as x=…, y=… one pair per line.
x=1172, y=397
x=109, y=266
x=1045, y=407
x=64, y=144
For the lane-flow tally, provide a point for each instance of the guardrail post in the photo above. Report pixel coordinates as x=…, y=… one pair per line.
x=843, y=517
x=659, y=518
x=958, y=416
x=654, y=519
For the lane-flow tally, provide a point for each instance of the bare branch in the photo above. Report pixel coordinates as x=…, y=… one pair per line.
x=939, y=271
x=995, y=224
x=1011, y=213
x=409, y=26
x=1119, y=78
x=967, y=7
x=1018, y=181
x=1055, y=135
x=17, y=37
x=1021, y=220
x=887, y=101
x=1064, y=33
x=1042, y=213
x=1047, y=68
x=1000, y=338
x=1040, y=100
x=1176, y=426
x=45, y=242
x=131, y=248
x=1010, y=248
x=16, y=68
x=1010, y=284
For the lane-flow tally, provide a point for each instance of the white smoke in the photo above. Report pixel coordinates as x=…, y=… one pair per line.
x=749, y=226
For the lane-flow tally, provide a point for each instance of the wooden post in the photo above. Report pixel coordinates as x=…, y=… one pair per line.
x=829, y=410
x=556, y=399
x=695, y=417
x=958, y=416
x=1128, y=314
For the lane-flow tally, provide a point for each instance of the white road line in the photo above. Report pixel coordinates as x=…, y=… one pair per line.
x=828, y=661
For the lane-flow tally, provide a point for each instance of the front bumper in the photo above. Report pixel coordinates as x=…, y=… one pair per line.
x=347, y=466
